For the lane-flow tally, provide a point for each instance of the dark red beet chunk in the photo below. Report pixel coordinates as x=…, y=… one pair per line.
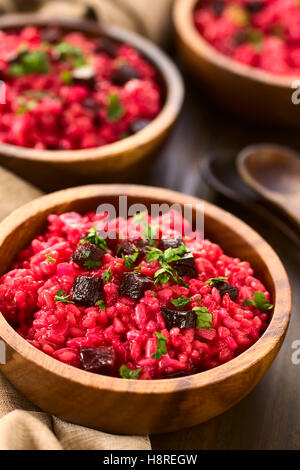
x=100, y=360
x=225, y=288
x=107, y=47
x=255, y=6
x=128, y=247
x=87, y=290
x=218, y=7
x=87, y=252
x=134, y=285
x=85, y=76
x=166, y=243
x=52, y=34
x=186, y=266
x=124, y=74
x=139, y=125
x=179, y=318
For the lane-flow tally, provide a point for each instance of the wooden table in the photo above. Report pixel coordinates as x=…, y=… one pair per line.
x=269, y=418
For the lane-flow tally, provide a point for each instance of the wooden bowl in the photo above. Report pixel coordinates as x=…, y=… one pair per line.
x=137, y=407
x=120, y=161
x=245, y=90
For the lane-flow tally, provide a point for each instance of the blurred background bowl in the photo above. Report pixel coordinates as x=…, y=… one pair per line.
x=245, y=90
x=125, y=160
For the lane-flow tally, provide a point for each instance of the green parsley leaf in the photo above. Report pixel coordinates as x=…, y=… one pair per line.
x=101, y=304
x=62, y=297
x=216, y=279
x=131, y=259
x=30, y=62
x=67, y=51
x=94, y=238
x=115, y=110
x=161, y=347
x=181, y=301
x=173, y=254
x=49, y=258
x=127, y=373
x=66, y=77
x=260, y=301
x=92, y=264
x=153, y=254
x=152, y=293
x=204, y=319
x=166, y=272
x=106, y=276
x=149, y=231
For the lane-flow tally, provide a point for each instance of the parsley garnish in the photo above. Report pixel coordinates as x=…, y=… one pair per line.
x=106, y=276
x=131, y=259
x=216, y=279
x=49, y=258
x=92, y=264
x=101, y=304
x=166, y=272
x=260, y=301
x=94, y=238
x=30, y=62
x=181, y=301
x=67, y=51
x=161, y=347
x=127, y=373
x=66, y=77
x=149, y=231
x=115, y=110
x=62, y=297
x=204, y=319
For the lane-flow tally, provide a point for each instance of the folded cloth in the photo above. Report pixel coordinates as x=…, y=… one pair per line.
x=22, y=425
x=152, y=18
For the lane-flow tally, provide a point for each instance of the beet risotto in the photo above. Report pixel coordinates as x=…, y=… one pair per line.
x=138, y=306
x=68, y=92
x=260, y=33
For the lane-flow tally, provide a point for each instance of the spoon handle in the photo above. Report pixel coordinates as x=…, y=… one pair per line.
x=292, y=208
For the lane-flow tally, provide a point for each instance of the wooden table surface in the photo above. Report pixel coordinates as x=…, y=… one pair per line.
x=269, y=418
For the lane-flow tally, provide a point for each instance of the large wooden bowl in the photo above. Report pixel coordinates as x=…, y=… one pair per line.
x=245, y=90
x=120, y=161
x=128, y=406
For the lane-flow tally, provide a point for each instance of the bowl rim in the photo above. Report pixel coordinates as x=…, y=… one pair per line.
x=270, y=340
x=169, y=72
x=187, y=32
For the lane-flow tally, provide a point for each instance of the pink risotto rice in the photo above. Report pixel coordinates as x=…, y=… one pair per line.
x=139, y=306
x=66, y=91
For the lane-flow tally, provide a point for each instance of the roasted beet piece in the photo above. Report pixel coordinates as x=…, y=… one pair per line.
x=123, y=74
x=186, y=266
x=255, y=6
x=52, y=34
x=225, y=288
x=179, y=318
x=87, y=252
x=84, y=75
x=218, y=7
x=166, y=243
x=128, y=247
x=134, y=285
x=107, y=47
x=139, y=125
x=101, y=360
x=87, y=290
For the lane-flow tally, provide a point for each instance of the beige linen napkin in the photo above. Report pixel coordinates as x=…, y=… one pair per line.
x=22, y=425
x=151, y=18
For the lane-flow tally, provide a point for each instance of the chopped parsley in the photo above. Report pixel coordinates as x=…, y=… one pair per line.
x=127, y=373
x=181, y=301
x=216, y=279
x=115, y=110
x=94, y=238
x=260, y=301
x=161, y=347
x=64, y=50
x=49, y=258
x=101, y=305
x=92, y=264
x=166, y=272
x=106, y=276
x=66, y=77
x=28, y=63
x=130, y=259
x=204, y=318
x=149, y=231
x=62, y=297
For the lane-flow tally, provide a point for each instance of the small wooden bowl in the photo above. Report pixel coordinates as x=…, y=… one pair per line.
x=137, y=407
x=120, y=161
x=245, y=90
